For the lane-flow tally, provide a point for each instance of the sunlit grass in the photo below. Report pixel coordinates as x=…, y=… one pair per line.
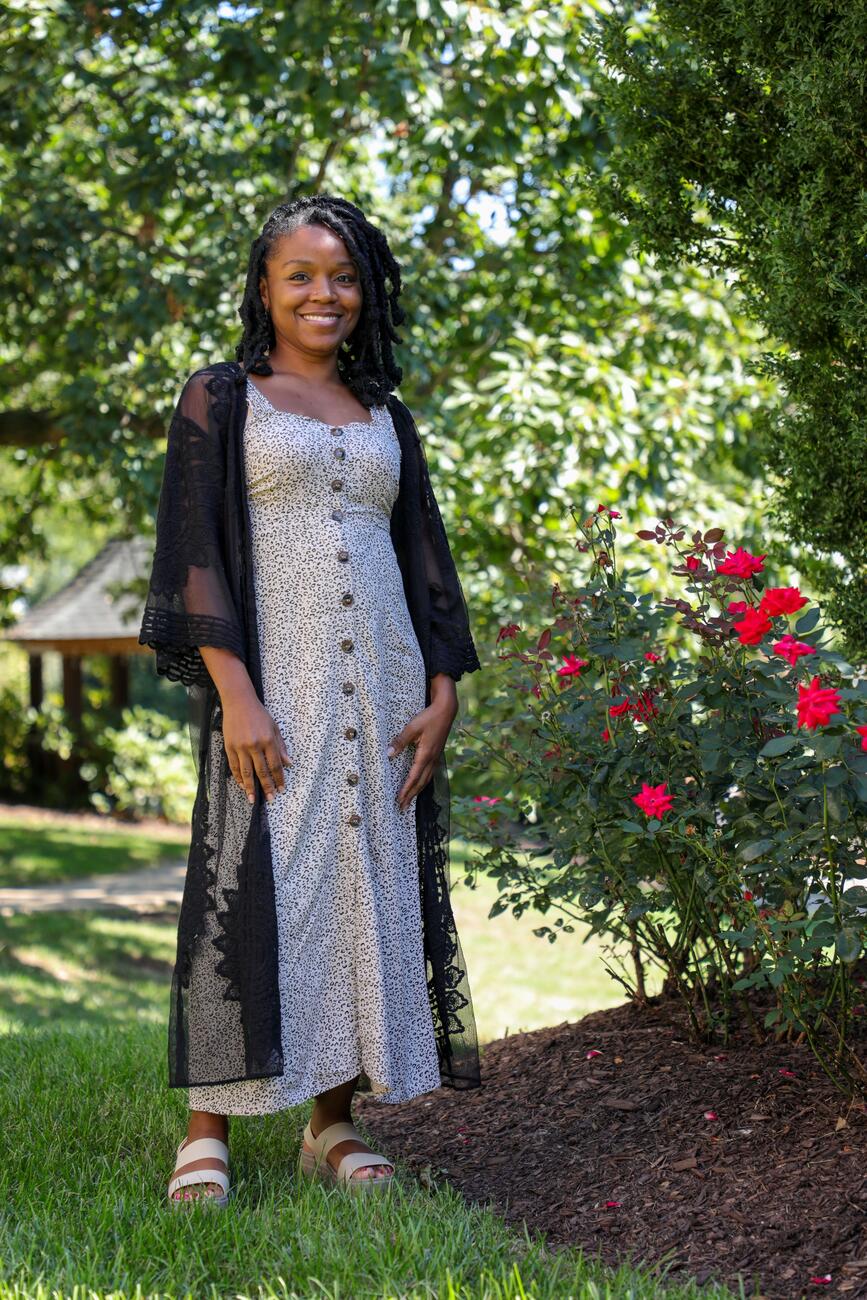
x=87, y=1136
x=88, y=1130
x=41, y=853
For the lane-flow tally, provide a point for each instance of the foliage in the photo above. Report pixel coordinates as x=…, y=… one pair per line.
x=708, y=813
x=15, y=723
x=737, y=131
x=149, y=773
x=141, y=154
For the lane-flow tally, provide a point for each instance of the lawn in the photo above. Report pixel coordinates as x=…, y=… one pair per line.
x=37, y=850
x=86, y=967
x=86, y=1133
x=88, y=1129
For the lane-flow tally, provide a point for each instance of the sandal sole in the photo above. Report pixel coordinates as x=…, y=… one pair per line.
x=313, y=1169
x=219, y=1202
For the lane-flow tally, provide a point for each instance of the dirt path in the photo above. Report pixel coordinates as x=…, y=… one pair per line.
x=146, y=890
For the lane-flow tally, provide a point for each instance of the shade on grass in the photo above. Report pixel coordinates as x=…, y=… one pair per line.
x=87, y=1134
x=42, y=853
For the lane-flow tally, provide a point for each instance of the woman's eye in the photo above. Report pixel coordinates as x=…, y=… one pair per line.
x=344, y=275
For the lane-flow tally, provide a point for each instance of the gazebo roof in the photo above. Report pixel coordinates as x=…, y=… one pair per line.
x=82, y=617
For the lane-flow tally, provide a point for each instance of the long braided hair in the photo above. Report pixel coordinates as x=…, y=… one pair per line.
x=365, y=361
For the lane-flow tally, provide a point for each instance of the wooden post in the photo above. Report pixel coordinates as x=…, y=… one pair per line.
x=119, y=670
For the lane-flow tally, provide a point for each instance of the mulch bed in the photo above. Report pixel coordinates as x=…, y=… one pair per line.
x=772, y=1191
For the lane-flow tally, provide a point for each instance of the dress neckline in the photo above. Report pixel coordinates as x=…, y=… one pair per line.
x=299, y=415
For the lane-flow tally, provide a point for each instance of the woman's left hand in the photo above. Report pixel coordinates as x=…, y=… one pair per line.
x=428, y=731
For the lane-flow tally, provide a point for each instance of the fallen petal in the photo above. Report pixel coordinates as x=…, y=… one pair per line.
x=613, y=1205
x=821, y=1279
x=594, y=1051
x=711, y=1114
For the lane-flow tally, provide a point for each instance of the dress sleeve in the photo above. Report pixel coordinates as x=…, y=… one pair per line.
x=189, y=601
x=451, y=644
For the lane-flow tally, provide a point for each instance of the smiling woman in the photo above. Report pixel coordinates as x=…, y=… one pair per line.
x=305, y=592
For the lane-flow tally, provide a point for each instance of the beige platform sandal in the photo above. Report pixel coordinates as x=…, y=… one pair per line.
x=213, y=1150
x=314, y=1163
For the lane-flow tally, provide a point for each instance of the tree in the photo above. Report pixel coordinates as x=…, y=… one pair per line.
x=737, y=131
x=143, y=145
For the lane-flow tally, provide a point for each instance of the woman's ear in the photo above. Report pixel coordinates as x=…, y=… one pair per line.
x=263, y=294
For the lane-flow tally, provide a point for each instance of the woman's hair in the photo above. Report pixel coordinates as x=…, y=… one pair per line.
x=365, y=361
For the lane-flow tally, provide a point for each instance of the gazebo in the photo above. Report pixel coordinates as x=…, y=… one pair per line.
x=87, y=617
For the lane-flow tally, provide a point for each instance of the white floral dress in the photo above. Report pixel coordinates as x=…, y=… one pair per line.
x=342, y=674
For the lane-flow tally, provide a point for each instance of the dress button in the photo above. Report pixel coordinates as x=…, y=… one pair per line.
x=343, y=554
x=339, y=453
x=352, y=778
x=346, y=643
x=336, y=428
x=348, y=688
x=337, y=484
x=350, y=733
x=347, y=598
x=354, y=819
x=337, y=514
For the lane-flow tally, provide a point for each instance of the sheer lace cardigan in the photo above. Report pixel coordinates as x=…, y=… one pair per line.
x=224, y=1016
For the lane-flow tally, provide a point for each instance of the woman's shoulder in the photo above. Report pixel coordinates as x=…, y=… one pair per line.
x=400, y=412
x=225, y=370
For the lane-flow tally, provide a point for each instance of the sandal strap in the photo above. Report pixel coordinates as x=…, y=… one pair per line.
x=202, y=1149
x=359, y=1160
x=330, y=1136
x=213, y=1175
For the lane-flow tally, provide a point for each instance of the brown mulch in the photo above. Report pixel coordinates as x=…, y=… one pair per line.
x=773, y=1191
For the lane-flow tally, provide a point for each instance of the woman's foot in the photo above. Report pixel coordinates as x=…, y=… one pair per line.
x=202, y=1125
x=340, y=1149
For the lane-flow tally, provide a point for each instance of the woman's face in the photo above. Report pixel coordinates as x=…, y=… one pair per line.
x=312, y=290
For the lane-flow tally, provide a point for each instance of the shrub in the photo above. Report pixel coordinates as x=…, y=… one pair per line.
x=701, y=802
x=150, y=769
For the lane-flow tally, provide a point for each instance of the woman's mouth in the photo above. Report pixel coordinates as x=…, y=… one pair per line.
x=321, y=318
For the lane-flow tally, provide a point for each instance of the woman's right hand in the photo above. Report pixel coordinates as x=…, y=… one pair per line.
x=254, y=746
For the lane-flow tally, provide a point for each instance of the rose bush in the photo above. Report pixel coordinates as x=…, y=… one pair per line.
x=688, y=776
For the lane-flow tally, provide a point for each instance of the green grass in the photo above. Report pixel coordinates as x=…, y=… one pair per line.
x=80, y=968
x=43, y=853
x=519, y=981
x=83, y=968
x=87, y=1129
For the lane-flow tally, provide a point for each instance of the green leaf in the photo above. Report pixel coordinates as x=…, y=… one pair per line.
x=826, y=746
x=808, y=621
x=757, y=849
x=848, y=943
x=779, y=745
x=631, y=828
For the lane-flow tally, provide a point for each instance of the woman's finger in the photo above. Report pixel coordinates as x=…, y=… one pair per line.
x=234, y=766
x=418, y=777
x=246, y=769
x=263, y=771
x=274, y=760
x=281, y=746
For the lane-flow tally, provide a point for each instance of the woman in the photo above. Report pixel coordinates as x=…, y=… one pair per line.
x=304, y=592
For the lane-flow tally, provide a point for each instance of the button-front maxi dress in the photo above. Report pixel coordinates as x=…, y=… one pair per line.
x=300, y=953
x=342, y=673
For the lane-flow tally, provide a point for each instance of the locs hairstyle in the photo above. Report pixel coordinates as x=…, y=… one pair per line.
x=365, y=361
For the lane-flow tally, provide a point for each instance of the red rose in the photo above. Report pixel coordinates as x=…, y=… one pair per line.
x=653, y=800
x=752, y=627
x=816, y=704
x=789, y=647
x=740, y=564
x=781, y=600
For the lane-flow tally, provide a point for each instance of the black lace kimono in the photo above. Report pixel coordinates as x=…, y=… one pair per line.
x=224, y=1018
